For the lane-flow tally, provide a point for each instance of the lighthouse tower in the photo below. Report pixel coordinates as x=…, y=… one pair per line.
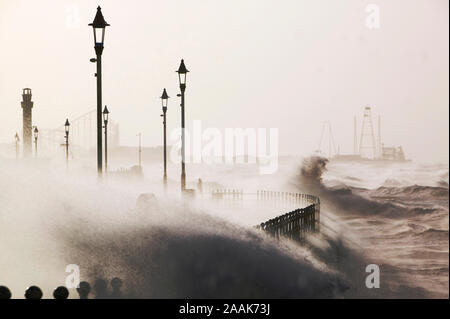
x=367, y=146
x=27, y=105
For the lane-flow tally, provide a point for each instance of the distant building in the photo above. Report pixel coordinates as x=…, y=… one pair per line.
x=393, y=154
x=369, y=151
x=27, y=105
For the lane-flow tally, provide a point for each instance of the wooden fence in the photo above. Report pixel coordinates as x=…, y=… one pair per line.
x=228, y=193
x=295, y=224
x=265, y=197
x=298, y=199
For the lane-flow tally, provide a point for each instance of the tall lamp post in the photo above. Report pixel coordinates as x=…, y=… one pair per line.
x=98, y=25
x=36, y=134
x=140, y=150
x=165, y=100
x=182, y=73
x=17, y=138
x=66, y=127
x=105, y=120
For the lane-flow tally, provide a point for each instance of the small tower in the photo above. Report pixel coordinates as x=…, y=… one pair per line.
x=367, y=146
x=27, y=105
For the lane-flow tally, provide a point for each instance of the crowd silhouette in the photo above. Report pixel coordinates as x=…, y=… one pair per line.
x=84, y=289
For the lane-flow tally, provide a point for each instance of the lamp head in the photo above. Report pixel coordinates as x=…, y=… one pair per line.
x=66, y=126
x=164, y=100
x=105, y=114
x=182, y=73
x=99, y=25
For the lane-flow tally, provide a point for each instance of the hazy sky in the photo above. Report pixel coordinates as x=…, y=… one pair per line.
x=288, y=64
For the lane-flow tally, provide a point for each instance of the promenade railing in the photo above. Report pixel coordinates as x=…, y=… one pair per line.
x=294, y=224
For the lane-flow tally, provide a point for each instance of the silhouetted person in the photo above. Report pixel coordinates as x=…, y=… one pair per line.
x=100, y=289
x=116, y=284
x=5, y=293
x=84, y=289
x=61, y=293
x=33, y=292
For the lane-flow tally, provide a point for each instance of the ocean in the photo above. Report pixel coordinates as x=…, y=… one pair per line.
x=398, y=214
x=393, y=216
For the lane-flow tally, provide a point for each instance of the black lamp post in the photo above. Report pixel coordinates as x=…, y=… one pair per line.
x=17, y=138
x=182, y=73
x=36, y=134
x=164, y=100
x=66, y=127
x=98, y=25
x=140, y=151
x=105, y=120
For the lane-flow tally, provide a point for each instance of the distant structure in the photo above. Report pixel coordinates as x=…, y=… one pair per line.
x=367, y=146
x=368, y=150
x=355, y=137
x=27, y=105
x=82, y=135
x=394, y=154
x=326, y=131
x=379, y=146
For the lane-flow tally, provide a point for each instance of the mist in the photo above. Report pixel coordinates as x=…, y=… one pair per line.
x=174, y=248
x=167, y=250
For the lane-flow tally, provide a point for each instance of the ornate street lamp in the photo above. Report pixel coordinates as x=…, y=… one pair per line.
x=105, y=121
x=99, y=25
x=164, y=101
x=17, y=138
x=36, y=134
x=182, y=74
x=66, y=127
x=140, y=151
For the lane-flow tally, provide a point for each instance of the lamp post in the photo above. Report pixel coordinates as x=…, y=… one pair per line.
x=98, y=25
x=140, y=150
x=164, y=100
x=17, y=138
x=66, y=127
x=36, y=134
x=105, y=120
x=182, y=73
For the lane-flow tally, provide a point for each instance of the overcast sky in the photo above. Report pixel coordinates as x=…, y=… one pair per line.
x=287, y=64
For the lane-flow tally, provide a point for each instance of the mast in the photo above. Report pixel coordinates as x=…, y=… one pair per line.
x=355, y=138
x=380, y=150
